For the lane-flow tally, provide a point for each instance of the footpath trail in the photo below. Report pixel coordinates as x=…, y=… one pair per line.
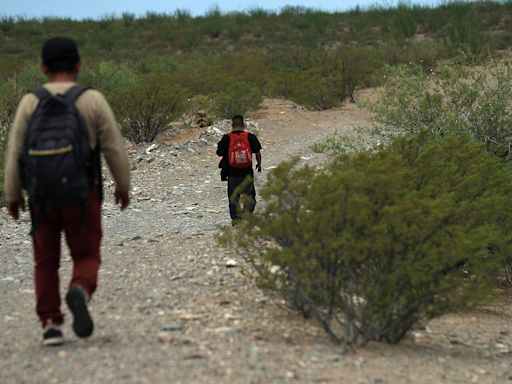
x=172, y=308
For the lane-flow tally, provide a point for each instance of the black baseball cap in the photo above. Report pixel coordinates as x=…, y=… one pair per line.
x=60, y=49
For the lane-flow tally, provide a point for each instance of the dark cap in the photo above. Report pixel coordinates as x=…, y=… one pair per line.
x=60, y=49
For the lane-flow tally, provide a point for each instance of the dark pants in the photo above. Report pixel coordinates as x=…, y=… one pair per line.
x=84, y=245
x=241, y=189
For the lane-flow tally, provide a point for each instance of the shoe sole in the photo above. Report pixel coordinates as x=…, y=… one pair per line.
x=82, y=321
x=53, y=342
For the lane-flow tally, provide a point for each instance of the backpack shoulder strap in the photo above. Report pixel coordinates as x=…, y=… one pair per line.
x=41, y=93
x=74, y=93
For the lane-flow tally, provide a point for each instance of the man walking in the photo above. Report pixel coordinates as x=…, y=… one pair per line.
x=237, y=149
x=54, y=154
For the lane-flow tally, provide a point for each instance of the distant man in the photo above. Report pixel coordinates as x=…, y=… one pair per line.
x=54, y=154
x=237, y=149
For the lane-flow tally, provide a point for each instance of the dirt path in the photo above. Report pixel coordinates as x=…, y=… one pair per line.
x=169, y=310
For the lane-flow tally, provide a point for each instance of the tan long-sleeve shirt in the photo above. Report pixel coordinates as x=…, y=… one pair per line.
x=100, y=122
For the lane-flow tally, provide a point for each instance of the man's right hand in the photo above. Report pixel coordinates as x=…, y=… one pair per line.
x=14, y=208
x=122, y=198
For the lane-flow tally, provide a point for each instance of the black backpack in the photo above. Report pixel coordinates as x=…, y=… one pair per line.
x=56, y=162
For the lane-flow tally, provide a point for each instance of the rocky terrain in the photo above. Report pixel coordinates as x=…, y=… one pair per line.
x=174, y=307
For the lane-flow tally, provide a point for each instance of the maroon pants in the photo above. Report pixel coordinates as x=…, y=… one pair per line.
x=83, y=240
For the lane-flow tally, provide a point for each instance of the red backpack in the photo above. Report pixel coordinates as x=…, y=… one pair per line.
x=239, y=153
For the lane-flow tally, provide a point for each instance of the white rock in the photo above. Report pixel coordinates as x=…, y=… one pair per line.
x=151, y=148
x=231, y=263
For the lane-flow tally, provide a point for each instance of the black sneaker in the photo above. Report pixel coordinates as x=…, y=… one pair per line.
x=52, y=335
x=77, y=302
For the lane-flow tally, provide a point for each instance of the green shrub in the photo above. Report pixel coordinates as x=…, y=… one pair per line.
x=250, y=67
x=465, y=36
x=357, y=67
x=147, y=107
x=213, y=24
x=310, y=88
x=404, y=22
x=319, y=79
x=237, y=100
x=199, y=74
x=108, y=76
x=199, y=103
x=361, y=138
x=128, y=18
x=375, y=241
x=450, y=99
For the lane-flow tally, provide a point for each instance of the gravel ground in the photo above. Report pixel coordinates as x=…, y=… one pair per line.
x=174, y=307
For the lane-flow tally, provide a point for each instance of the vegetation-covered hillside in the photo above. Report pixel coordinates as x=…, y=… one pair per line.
x=478, y=26
x=226, y=63
x=286, y=53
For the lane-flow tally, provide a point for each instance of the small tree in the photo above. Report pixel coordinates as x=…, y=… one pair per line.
x=376, y=241
x=147, y=107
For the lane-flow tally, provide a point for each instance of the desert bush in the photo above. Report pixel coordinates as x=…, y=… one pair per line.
x=109, y=76
x=320, y=80
x=450, y=99
x=375, y=241
x=237, y=100
x=213, y=24
x=357, y=67
x=404, y=21
x=360, y=138
x=128, y=18
x=199, y=103
x=465, y=36
x=250, y=67
x=148, y=106
x=311, y=88
x=199, y=74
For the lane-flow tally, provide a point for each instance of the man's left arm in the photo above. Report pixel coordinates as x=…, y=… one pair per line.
x=258, y=159
x=256, y=149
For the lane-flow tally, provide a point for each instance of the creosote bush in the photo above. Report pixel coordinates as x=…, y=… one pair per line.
x=450, y=99
x=146, y=108
x=376, y=241
x=360, y=138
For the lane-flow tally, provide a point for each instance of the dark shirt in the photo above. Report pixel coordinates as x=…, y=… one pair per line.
x=223, y=148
